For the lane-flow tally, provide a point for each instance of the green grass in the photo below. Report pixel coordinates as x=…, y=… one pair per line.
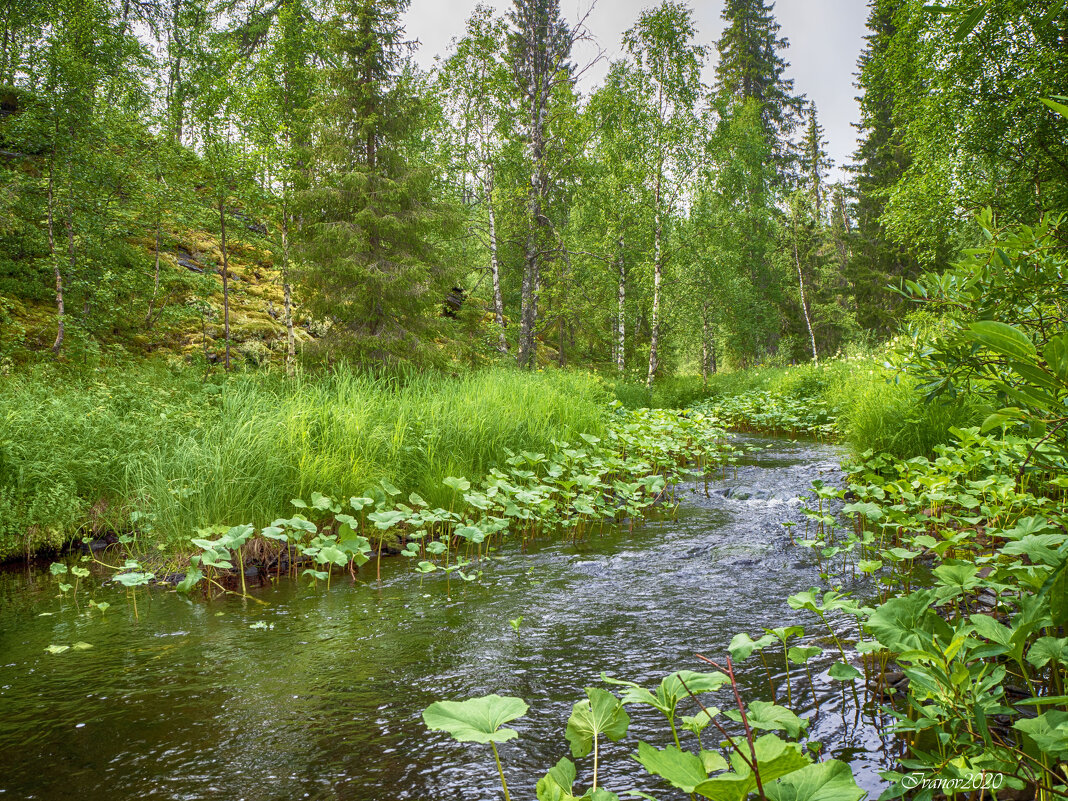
x=672, y=392
x=160, y=448
x=876, y=408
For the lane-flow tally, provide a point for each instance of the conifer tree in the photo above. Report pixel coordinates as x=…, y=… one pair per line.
x=880, y=162
x=751, y=68
x=370, y=218
x=815, y=162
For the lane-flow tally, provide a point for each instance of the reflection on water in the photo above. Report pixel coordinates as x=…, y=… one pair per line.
x=189, y=702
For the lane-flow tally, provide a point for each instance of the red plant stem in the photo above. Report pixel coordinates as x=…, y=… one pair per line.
x=745, y=720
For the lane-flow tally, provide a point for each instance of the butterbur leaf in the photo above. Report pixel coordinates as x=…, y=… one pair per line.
x=461, y=484
x=600, y=794
x=742, y=646
x=799, y=655
x=600, y=713
x=57, y=568
x=1049, y=731
x=680, y=768
x=771, y=717
x=192, y=578
x=1048, y=649
x=896, y=624
x=334, y=555
x=843, y=671
x=823, y=781
x=713, y=761
x=385, y=520
x=133, y=579
x=476, y=720
x=775, y=757
x=672, y=689
x=557, y=783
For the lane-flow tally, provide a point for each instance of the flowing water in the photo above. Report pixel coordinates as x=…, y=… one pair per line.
x=187, y=700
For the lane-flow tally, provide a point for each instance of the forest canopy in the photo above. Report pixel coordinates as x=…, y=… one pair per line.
x=263, y=181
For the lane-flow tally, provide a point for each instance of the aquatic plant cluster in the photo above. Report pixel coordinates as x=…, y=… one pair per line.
x=576, y=488
x=776, y=413
x=776, y=768
x=960, y=656
x=967, y=646
x=156, y=451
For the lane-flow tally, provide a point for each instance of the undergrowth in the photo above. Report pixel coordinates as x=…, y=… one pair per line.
x=158, y=451
x=859, y=401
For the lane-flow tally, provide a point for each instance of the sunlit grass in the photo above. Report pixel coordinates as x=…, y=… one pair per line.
x=177, y=453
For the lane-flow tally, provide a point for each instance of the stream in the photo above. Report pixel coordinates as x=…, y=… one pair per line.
x=322, y=699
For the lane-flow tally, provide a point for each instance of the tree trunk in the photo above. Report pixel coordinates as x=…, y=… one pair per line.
x=72, y=262
x=658, y=277
x=621, y=317
x=561, y=357
x=704, y=346
x=804, y=304
x=495, y=267
x=287, y=295
x=225, y=283
x=155, y=281
x=60, y=322
x=528, y=313
x=528, y=319
x=175, y=88
x=6, y=59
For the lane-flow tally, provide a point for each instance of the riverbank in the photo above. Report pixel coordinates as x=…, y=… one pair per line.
x=863, y=402
x=155, y=452
x=319, y=691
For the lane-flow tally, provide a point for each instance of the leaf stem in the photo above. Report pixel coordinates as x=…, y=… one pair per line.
x=500, y=771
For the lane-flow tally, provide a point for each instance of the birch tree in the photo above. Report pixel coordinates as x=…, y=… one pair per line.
x=539, y=49
x=476, y=93
x=668, y=70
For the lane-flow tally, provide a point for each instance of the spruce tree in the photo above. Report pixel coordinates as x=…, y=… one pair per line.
x=369, y=220
x=751, y=68
x=880, y=162
x=815, y=162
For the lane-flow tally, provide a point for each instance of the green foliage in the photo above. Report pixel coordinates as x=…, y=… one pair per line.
x=91, y=448
x=476, y=720
x=858, y=400
x=775, y=768
x=1006, y=334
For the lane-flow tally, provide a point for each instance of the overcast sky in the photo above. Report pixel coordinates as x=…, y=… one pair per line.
x=825, y=36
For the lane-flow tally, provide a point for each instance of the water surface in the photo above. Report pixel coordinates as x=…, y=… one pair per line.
x=188, y=701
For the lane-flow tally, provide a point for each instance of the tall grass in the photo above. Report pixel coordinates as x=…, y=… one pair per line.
x=159, y=448
x=671, y=392
x=885, y=413
x=876, y=408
